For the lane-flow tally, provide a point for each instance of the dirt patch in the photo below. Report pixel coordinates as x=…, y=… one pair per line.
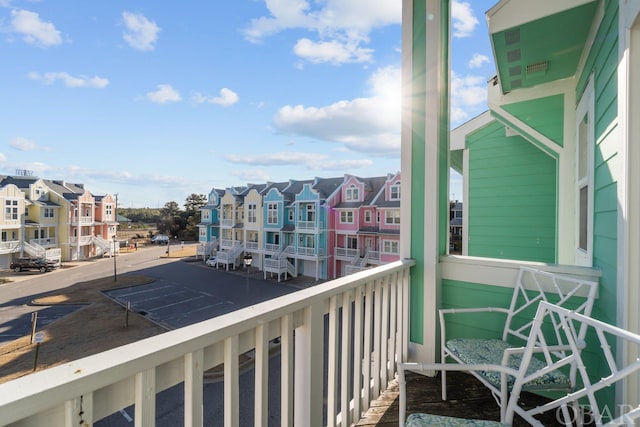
x=98, y=326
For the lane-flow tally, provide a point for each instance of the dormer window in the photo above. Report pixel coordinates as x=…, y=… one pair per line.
x=394, y=191
x=352, y=194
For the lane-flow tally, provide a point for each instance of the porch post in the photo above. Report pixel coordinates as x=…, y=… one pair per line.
x=629, y=187
x=425, y=163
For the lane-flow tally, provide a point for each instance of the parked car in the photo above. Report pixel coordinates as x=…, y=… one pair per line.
x=211, y=262
x=41, y=264
x=160, y=239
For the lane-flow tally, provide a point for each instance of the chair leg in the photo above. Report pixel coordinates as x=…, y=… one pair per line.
x=443, y=376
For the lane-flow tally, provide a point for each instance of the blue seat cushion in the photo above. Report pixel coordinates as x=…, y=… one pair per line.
x=490, y=351
x=421, y=420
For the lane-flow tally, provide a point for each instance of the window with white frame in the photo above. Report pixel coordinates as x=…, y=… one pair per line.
x=251, y=213
x=203, y=232
x=272, y=213
x=48, y=212
x=311, y=212
x=584, y=176
x=346, y=217
x=11, y=210
x=352, y=242
x=390, y=247
x=108, y=210
x=206, y=214
x=394, y=191
x=392, y=217
x=352, y=194
x=367, y=216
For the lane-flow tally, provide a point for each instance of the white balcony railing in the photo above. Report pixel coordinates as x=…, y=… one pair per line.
x=308, y=225
x=82, y=240
x=346, y=253
x=46, y=241
x=367, y=327
x=226, y=223
x=83, y=220
x=272, y=247
x=253, y=246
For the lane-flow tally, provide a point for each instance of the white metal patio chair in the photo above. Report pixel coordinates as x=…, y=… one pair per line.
x=532, y=286
x=589, y=402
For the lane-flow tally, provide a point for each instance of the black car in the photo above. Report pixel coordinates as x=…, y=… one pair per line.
x=41, y=264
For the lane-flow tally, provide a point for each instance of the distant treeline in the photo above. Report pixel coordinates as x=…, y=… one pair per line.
x=170, y=219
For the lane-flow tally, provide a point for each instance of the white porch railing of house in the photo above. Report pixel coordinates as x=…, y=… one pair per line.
x=308, y=225
x=346, y=253
x=253, y=246
x=373, y=257
x=227, y=223
x=309, y=252
x=82, y=240
x=367, y=334
x=83, y=220
x=45, y=241
x=271, y=248
x=10, y=246
x=229, y=243
x=54, y=254
x=34, y=249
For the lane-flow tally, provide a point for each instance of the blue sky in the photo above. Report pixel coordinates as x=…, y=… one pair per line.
x=154, y=100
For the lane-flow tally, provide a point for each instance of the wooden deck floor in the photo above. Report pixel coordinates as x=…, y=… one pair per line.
x=468, y=398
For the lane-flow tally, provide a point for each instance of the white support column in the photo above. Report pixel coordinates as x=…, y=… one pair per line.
x=308, y=368
x=79, y=411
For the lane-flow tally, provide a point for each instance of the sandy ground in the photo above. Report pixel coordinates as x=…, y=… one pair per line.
x=96, y=327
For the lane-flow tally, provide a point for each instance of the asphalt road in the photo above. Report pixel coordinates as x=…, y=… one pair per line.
x=182, y=293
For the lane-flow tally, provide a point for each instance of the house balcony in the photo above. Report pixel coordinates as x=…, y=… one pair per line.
x=83, y=220
x=271, y=248
x=45, y=242
x=309, y=225
x=346, y=254
x=9, y=246
x=229, y=243
x=302, y=252
x=252, y=246
x=363, y=316
x=227, y=223
x=82, y=240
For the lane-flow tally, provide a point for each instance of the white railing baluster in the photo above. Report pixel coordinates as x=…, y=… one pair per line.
x=384, y=333
x=393, y=325
x=358, y=325
x=332, y=362
x=377, y=338
x=345, y=374
x=193, y=392
x=261, y=417
x=286, y=371
x=308, y=367
x=79, y=411
x=366, y=363
x=145, y=396
x=231, y=389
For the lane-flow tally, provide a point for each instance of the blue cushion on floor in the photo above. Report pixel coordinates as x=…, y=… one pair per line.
x=490, y=351
x=421, y=420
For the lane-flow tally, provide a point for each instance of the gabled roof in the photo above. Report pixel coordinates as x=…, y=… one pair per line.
x=19, y=181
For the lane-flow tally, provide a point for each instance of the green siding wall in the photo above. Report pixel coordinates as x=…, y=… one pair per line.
x=546, y=115
x=512, y=197
x=602, y=65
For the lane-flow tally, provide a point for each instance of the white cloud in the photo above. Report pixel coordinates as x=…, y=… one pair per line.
x=164, y=94
x=24, y=144
x=342, y=26
x=463, y=19
x=370, y=125
x=334, y=51
x=34, y=31
x=477, y=60
x=140, y=33
x=227, y=98
x=313, y=161
x=69, y=80
x=468, y=97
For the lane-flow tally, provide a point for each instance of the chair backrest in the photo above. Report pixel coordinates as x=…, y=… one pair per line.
x=592, y=397
x=533, y=286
